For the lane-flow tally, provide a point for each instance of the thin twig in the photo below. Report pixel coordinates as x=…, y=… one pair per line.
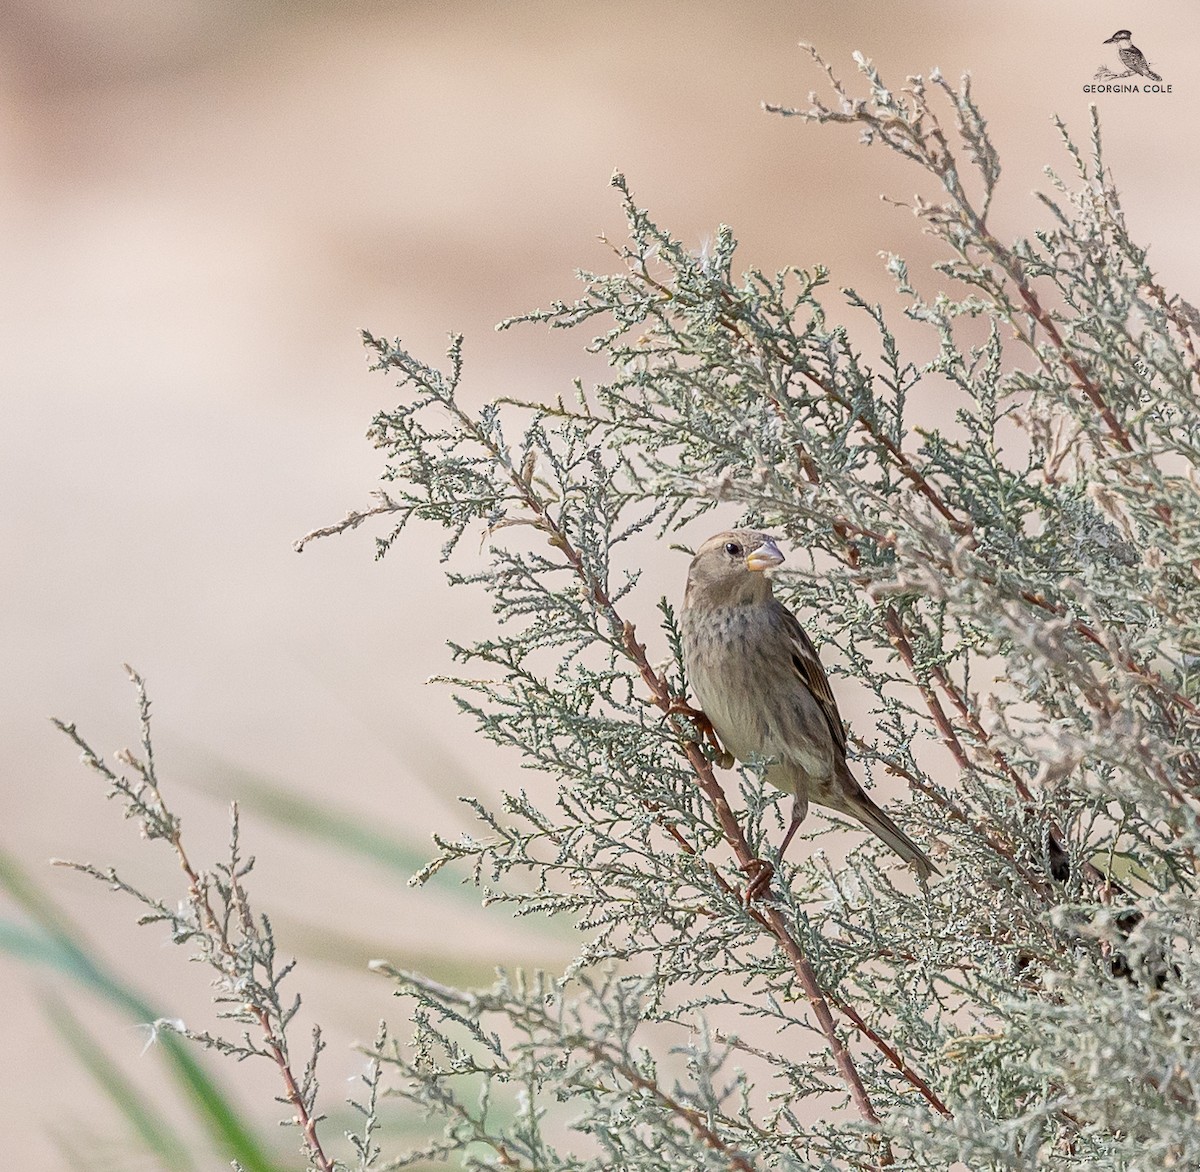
x=216, y=926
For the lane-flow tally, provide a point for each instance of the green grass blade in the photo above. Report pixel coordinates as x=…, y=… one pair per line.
x=59, y=945
x=326, y=823
x=170, y=1151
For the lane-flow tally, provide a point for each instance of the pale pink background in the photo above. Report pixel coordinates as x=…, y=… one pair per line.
x=201, y=205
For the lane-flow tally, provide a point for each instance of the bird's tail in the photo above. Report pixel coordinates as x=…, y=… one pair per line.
x=859, y=806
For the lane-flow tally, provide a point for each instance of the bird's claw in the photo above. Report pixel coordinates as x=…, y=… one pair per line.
x=722, y=758
x=678, y=707
x=761, y=873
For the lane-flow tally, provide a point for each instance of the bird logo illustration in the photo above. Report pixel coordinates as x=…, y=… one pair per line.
x=1133, y=60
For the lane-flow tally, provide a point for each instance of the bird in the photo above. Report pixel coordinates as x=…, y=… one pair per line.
x=761, y=686
x=1131, y=56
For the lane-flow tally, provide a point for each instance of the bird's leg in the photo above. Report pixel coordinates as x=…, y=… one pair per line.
x=799, y=813
x=723, y=758
x=761, y=871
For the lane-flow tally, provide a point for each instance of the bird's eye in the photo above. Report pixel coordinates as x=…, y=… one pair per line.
x=733, y=549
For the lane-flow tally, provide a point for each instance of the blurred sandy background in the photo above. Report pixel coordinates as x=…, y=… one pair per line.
x=201, y=204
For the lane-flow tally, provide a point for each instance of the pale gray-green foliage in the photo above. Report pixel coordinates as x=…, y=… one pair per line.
x=1046, y=533
x=1017, y=584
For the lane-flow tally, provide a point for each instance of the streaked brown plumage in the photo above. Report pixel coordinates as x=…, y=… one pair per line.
x=761, y=684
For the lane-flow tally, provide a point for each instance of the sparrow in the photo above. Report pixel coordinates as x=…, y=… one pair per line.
x=761, y=686
x=1131, y=56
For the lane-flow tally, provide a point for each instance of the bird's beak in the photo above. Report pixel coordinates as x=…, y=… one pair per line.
x=766, y=557
x=1109, y=41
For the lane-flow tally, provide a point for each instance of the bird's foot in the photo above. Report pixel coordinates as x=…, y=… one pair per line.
x=722, y=758
x=761, y=873
x=679, y=707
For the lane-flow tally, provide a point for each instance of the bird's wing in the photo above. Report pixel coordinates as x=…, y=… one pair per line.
x=812, y=675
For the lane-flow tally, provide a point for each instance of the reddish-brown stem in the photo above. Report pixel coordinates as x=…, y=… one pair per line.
x=690, y=1115
x=893, y=1056
x=1034, y=307
x=846, y=530
x=953, y=810
x=787, y=943
x=951, y=690
x=900, y=460
x=304, y=1118
x=1014, y=271
x=844, y=1007
x=899, y=640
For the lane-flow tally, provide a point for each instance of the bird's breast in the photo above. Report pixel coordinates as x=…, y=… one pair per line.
x=743, y=677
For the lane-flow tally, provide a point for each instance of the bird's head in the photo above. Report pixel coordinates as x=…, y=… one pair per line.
x=1122, y=34
x=732, y=568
